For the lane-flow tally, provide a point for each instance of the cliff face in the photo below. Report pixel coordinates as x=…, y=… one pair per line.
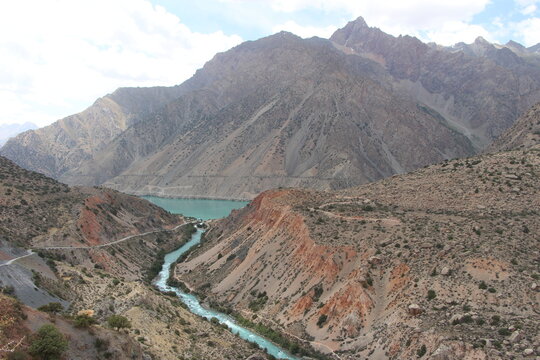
x=443, y=257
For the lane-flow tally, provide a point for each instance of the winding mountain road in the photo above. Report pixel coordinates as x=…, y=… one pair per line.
x=107, y=244
x=17, y=258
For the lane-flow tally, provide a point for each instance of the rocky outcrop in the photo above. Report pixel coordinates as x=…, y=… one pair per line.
x=433, y=262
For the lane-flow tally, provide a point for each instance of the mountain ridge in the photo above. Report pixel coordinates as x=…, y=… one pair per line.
x=284, y=111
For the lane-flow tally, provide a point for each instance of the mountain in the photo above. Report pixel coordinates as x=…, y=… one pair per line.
x=523, y=134
x=54, y=149
x=94, y=251
x=10, y=130
x=440, y=262
x=282, y=111
x=480, y=88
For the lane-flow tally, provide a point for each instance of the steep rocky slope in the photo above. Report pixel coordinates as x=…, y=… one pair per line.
x=282, y=111
x=95, y=250
x=36, y=210
x=480, y=89
x=54, y=149
x=11, y=130
x=523, y=134
x=440, y=262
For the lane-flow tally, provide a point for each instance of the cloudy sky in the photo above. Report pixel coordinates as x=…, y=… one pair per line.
x=58, y=56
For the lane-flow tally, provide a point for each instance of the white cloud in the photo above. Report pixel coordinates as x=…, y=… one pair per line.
x=58, y=57
x=305, y=31
x=439, y=19
x=527, y=7
x=414, y=14
x=528, y=31
x=451, y=33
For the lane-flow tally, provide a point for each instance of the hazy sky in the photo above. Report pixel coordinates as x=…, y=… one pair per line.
x=58, y=56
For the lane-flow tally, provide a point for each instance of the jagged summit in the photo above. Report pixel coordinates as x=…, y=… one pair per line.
x=481, y=40
x=360, y=22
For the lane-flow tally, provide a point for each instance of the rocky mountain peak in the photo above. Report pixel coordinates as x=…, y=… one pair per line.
x=360, y=23
x=481, y=41
x=515, y=45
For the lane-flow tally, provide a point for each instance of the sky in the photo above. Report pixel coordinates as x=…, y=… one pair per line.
x=59, y=56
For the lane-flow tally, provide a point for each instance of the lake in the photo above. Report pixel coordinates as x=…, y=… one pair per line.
x=204, y=209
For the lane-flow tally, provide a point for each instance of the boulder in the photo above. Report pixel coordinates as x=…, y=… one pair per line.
x=415, y=309
x=87, y=312
x=528, y=352
x=445, y=271
x=515, y=337
x=456, y=319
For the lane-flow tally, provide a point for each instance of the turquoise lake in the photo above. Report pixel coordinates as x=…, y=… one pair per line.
x=198, y=208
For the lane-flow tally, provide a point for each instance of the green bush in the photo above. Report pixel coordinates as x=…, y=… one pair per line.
x=322, y=320
x=422, y=351
x=431, y=294
x=48, y=343
x=118, y=322
x=53, y=308
x=84, y=321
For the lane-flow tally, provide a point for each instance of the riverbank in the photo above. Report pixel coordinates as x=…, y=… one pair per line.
x=193, y=304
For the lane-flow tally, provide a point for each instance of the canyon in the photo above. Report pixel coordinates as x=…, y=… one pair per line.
x=441, y=261
x=94, y=251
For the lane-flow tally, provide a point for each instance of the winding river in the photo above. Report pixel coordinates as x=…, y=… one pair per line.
x=191, y=301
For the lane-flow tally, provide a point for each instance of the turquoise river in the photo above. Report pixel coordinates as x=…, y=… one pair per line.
x=206, y=210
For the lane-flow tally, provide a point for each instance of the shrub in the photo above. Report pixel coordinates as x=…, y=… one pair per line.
x=49, y=343
x=422, y=351
x=84, y=321
x=53, y=308
x=431, y=294
x=118, y=322
x=101, y=344
x=322, y=320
